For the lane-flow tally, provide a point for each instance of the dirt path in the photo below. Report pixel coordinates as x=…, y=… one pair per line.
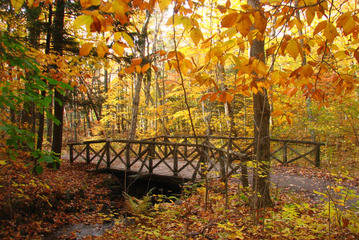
x=311, y=185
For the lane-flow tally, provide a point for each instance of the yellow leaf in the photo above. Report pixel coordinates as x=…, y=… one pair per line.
x=349, y=26
x=17, y=4
x=340, y=55
x=128, y=39
x=2, y=162
x=118, y=48
x=229, y=20
x=322, y=25
x=164, y=4
x=30, y=3
x=88, y=3
x=330, y=32
x=85, y=49
x=145, y=68
x=120, y=7
x=117, y=36
x=292, y=48
x=102, y=49
x=83, y=20
x=196, y=35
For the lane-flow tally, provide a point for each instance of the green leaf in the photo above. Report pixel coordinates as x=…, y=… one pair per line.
x=39, y=169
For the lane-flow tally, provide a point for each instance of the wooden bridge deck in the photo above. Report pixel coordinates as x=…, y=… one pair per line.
x=185, y=157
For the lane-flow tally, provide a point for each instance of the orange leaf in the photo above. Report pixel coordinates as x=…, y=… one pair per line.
x=230, y=19
x=130, y=69
x=88, y=3
x=204, y=97
x=356, y=54
x=172, y=54
x=161, y=52
x=322, y=25
x=145, y=68
x=138, y=68
x=136, y=61
x=213, y=97
x=85, y=49
x=292, y=91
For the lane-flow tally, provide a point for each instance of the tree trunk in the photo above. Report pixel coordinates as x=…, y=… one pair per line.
x=135, y=107
x=141, y=47
x=59, y=106
x=40, y=131
x=261, y=111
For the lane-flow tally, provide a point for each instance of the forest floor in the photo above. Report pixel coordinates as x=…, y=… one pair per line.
x=72, y=203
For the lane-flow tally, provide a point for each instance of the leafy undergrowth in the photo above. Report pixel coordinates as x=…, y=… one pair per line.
x=33, y=206
x=292, y=217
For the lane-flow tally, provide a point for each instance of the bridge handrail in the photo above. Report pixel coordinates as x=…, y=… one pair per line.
x=241, y=138
x=243, y=154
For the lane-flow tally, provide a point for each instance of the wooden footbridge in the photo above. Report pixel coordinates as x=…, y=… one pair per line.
x=187, y=157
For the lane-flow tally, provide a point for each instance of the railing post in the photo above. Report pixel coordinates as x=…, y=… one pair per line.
x=151, y=157
x=108, y=157
x=88, y=153
x=128, y=156
x=71, y=153
x=175, y=161
x=285, y=154
x=317, y=155
x=166, y=147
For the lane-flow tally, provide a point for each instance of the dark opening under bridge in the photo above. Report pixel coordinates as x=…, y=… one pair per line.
x=187, y=157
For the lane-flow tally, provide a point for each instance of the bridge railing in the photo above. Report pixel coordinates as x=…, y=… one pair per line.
x=183, y=159
x=282, y=150
x=180, y=156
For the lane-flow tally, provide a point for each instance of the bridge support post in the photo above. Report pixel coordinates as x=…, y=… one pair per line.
x=128, y=156
x=71, y=153
x=87, y=153
x=317, y=155
x=151, y=157
x=108, y=157
x=285, y=154
x=175, y=161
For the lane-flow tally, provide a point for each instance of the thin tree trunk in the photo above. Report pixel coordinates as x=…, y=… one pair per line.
x=261, y=111
x=59, y=106
x=136, y=97
x=40, y=132
x=135, y=106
